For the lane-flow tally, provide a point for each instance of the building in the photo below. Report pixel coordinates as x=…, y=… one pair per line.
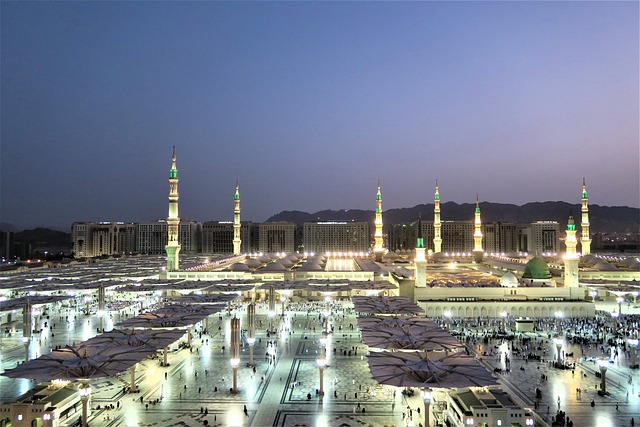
x=336, y=236
x=218, y=236
x=539, y=237
x=151, y=237
x=6, y=246
x=500, y=237
x=276, y=237
x=90, y=239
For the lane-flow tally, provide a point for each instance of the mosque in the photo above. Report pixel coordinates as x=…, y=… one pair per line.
x=445, y=285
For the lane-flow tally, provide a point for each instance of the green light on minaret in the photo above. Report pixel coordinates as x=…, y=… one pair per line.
x=571, y=227
x=237, y=196
x=377, y=210
x=173, y=174
x=420, y=239
x=436, y=197
x=478, y=209
x=585, y=195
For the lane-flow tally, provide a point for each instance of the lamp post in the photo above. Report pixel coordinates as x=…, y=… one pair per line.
x=26, y=328
x=101, y=306
x=447, y=318
x=251, y=319
x=322, y=362
x=558, y=343
x=614, y=318
x=84, y=391
x=235, y=351
x=283, y=300
x=504, y=315
x=604, y=364
x=427, y=395
x=559, y=316
x=272, y=306
x=633, y=346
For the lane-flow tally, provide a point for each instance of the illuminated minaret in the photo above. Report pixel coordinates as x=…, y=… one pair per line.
x=477, y=234
x=236, y=222
x=377, y=247
x=420, y=261
x=173, y=221
x=437, y=240
x=585, y=240
x=571, y=259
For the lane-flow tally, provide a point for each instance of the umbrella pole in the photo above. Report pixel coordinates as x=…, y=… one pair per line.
x=426, y=394
x=133, y=389
x=165, y=355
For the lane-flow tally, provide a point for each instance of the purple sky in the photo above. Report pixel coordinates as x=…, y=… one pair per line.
x=309, y=104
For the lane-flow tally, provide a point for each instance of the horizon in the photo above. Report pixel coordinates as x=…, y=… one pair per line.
x=309, y=104
x=65, y=227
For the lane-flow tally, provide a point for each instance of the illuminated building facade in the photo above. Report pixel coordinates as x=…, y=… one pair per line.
x=336, y=236
x=276, y=237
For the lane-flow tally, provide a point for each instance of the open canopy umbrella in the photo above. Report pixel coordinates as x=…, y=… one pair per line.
x=439, y=370
x=386, y=305
x=406, y=333
x=81, y=362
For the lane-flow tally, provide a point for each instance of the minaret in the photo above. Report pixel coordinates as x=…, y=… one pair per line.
x=173, y=221
x=478, y=252
x=236, y=222
x=377, y=247
x=437, y=240
x=571, y=259
x=420, y=261
x=585, y=239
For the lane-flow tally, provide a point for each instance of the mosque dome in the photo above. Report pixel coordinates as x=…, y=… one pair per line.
x=536, y=268
x=274, y=266
x=239, y=266
x=605, y=266
x=253, y=263
x=509, y=280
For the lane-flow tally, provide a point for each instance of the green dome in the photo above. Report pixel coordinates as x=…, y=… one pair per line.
x=536, y=269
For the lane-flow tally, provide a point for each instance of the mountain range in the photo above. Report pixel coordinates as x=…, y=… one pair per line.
x=611, y=219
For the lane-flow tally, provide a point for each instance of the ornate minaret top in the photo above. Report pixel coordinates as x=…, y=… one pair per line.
x=377, y=248
x=585, y=239
x=571, y=242
x=571, y=259
x=236, y=222
x=477, y=234
x=173, y=221
x=437, y=239
x=420, y=242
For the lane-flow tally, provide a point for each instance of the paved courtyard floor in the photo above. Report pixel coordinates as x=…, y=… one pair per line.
x=282, y=390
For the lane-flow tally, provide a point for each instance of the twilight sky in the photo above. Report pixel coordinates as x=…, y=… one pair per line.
x=308, y=104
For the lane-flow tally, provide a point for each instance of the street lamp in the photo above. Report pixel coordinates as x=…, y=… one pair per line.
x=558, y=343
x=604, y=364
x=504, y=315
x=235, y=351
x=633, y=346
x=84, y=391
x=321, y=364
x=448, y=315
x=619, y=300
x=614, y=318
x=26, y=341
x=559, y=316
x=427, y=395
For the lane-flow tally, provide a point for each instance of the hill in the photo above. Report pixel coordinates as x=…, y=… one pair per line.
x=609, y=219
